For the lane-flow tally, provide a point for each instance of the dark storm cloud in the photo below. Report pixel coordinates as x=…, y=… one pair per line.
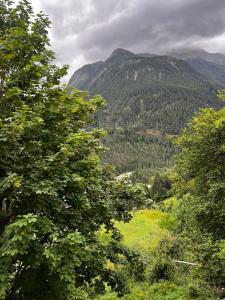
x=88, y=30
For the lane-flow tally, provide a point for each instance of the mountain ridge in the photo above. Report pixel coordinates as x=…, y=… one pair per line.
x=185, y=53
x=211, y=65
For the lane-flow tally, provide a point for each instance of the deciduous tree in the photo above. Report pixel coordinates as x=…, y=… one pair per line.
x=55, y=194
x=200, y=183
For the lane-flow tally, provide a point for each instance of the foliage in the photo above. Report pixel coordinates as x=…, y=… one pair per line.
x=36, y=261
x=169, y=219
x=199, y=183
x=171, y=291
x=170, y=204
x=165, y=290
x=169, y=222
x=161, y=187
x=200, y=169
x=185, y=282
x=55, y=192
x=161, y=266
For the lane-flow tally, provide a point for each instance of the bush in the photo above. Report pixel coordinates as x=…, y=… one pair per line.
x=161, y=266
x=162, y=269
x=161, y=187
x=169, y=222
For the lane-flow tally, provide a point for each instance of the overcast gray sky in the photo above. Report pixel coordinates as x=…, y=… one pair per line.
x=85, y=31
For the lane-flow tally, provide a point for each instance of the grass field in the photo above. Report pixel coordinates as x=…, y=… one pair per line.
x=143, y=231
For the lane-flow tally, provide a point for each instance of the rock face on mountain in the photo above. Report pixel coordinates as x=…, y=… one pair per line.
x=148, y=97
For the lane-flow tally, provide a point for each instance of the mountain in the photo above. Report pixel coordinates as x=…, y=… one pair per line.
x=149, y=91
x=119, y=55
x=210, y=64
x=148, y=97
x=211, y=70
x=146, y=54
x=189, y=53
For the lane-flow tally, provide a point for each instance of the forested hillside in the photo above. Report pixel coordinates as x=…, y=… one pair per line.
x=148, y=98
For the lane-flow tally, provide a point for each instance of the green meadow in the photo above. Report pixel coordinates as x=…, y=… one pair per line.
x=143, y=232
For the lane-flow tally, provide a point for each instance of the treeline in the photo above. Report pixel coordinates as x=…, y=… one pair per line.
x=138, y=151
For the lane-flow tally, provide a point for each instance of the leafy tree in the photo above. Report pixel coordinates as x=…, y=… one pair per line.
x=200, y=183
x=200, y=167
x=55, y=194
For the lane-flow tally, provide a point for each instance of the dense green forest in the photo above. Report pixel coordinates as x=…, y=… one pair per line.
x=70, y=229
x=139, y=152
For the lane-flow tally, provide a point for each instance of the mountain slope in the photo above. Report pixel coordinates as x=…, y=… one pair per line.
x=210, y=64
x=146, y=91
x=148, y=97
x=190, y=53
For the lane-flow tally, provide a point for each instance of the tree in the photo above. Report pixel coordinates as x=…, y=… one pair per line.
x=160, y=188
x=200, y=183
x=55, y=194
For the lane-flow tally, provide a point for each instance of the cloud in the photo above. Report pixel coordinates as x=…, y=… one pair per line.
x=86, y=31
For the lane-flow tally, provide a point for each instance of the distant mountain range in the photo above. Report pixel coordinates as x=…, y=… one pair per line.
x=149, y=96
x=211, y=65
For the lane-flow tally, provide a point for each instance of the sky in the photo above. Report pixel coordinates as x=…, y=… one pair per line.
x=85, y=31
